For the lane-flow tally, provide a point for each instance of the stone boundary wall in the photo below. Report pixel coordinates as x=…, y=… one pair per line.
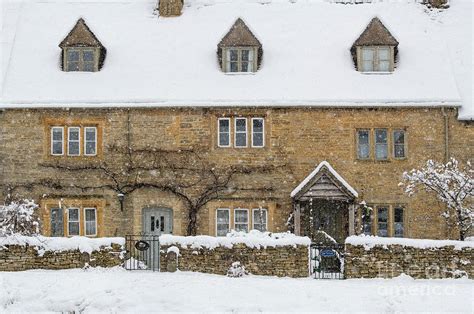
x=391, y=260
x=281, y=261
x=25, y=253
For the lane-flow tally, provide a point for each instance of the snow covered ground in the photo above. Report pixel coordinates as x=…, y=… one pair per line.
x=117, y=290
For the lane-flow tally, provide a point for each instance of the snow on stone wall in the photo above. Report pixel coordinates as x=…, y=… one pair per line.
x=252, y=239
x=277, y=254
x=60, y=244
x=370, y=257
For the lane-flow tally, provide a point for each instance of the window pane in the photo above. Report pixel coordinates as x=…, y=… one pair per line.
x=234, y=55
x=234, y=67
x=73, y=134
x=398, y=222
x=240, y=125
x=257, y=125
x=57, y=148
x=72, y=66
x=384, y=66
x=90, y=148
x=367, y=54
x=222, y=222
x=363, y=149
x=381, y=148
x=90, y=214
x=241, y=139
x=245, y=55
x=73, y=221
x=90, y=134
x=88, y=55
x=367, y=66
x=56, y=219
x=88, y=67
x=224, y=125
x=241, y=216
x=73, y=55
x=260, y=219
x=382, y=219
x=257, y=132
x=73, y=148
x=57, y=134
x=244, y=67
x=384, y=54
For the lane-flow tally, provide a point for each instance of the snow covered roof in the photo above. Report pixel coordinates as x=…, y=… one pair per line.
x=155, y=61
x=324, y=165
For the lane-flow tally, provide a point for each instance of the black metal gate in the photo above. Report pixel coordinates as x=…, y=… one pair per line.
x=142, y=252
x=327, y=261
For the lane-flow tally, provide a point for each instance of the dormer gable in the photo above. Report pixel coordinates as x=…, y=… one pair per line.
x=239, y=51
x=81, y=50
x=376, y=49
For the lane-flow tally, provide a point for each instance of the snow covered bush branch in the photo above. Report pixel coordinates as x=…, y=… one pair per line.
x=19, y=217
x=452, y=185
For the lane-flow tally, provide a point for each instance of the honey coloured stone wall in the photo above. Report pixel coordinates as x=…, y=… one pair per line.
x=269, y=254
x=281, y=261
x=25, y=256
x=391, y=260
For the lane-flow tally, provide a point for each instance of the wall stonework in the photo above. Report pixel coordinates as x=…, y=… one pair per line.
x=295, y=138
x=282, y=261
x=21, y=257
x=388, y=261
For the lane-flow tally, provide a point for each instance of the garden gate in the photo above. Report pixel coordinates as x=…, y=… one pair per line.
x=327, y=261
x=142, y=252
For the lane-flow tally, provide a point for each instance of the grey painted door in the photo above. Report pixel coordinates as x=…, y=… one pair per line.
x=157, y=221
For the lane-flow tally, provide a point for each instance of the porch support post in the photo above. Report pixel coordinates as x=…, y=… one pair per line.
x=351, y=219
x=297, y=218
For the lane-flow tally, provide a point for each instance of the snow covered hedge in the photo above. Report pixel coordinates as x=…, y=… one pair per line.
x=252, y=239
x=19, y=217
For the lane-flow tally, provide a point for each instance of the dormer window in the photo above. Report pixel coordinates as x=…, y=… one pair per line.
x=376, y=59
x=240, y=59
x=81, y=59
x=375, y=49
x=239, y=51
x=81, y=50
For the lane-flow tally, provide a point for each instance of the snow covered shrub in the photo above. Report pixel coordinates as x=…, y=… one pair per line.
x=452, y=185
x=236, y=270
x=19, y=217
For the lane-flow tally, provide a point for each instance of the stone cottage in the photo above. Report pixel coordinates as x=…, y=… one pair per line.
x=200, y=117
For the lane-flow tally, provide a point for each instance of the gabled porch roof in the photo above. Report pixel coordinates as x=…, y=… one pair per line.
x=324, y=178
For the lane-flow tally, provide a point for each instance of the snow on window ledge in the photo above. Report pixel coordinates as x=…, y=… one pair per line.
x=376, y=72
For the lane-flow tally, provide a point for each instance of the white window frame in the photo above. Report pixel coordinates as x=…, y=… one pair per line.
x=404, y=143
x=387, y=143
x=266, y=217
x=235, y=216
x=240, y=132
x=228, y=212
x=78, y=221
x=81, y=62
x=85, y=140
x=85, y=222
x=219, y=132
x=358, y=131
x=376, y=59
x=53, y=141
x=263, y=133
x=226, y=62
x=77, y=141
